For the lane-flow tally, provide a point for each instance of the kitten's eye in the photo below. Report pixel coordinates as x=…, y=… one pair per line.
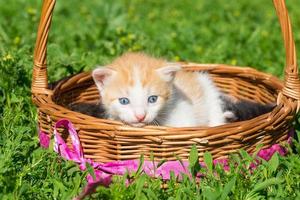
x=124, y=101
x=152, y=99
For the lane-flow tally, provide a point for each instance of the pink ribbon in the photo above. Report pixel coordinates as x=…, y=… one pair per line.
x=105, y=171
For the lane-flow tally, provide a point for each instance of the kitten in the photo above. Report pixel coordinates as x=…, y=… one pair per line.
x=140, y=90
x=233, y=110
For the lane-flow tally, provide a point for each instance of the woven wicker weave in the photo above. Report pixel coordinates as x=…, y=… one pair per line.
x=105, y=140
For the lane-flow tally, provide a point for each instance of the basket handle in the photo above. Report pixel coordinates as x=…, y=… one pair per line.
x=39, y=85
x=291, y=87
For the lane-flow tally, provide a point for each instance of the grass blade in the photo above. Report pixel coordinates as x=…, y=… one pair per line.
x=274, y=162
x=140, y=167
x=194, y=161
x=265, y=184
x=208, y=161
x=228, y=188
x=91, y=171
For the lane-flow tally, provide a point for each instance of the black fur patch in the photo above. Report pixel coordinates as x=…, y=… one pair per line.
x=244, y=110
x=95, y=110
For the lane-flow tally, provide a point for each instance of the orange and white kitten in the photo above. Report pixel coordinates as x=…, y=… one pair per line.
x=140, y=90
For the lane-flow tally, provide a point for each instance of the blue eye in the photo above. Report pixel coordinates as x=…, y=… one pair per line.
x=152, y=99
x=124, y=101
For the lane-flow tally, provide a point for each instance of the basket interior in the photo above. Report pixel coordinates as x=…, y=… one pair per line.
x=81, y=89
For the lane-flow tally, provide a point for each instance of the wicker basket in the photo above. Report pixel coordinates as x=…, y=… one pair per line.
x=106, y=140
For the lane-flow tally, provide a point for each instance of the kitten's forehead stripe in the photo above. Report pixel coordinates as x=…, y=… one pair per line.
x=136, y=75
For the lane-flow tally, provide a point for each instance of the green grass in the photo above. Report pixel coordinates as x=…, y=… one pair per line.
x=87, y=33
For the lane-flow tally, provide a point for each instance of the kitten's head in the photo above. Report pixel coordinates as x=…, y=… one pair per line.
x=135, y=87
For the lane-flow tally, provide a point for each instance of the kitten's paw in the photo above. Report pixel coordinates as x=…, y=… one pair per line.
x=229, y=116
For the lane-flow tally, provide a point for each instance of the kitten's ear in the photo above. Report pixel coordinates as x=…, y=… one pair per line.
x=102, y=75
x=168, y=72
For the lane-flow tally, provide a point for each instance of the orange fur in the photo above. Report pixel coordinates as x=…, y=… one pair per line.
x=145, y=66
x=187, y=83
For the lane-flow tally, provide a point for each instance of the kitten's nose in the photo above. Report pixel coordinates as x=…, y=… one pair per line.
x=140, y=117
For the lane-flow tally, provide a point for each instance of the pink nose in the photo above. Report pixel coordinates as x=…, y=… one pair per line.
x=140, y=118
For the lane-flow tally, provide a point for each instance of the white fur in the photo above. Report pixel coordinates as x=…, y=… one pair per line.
x=211, y=101
x=182, y=115
x=207, y=111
